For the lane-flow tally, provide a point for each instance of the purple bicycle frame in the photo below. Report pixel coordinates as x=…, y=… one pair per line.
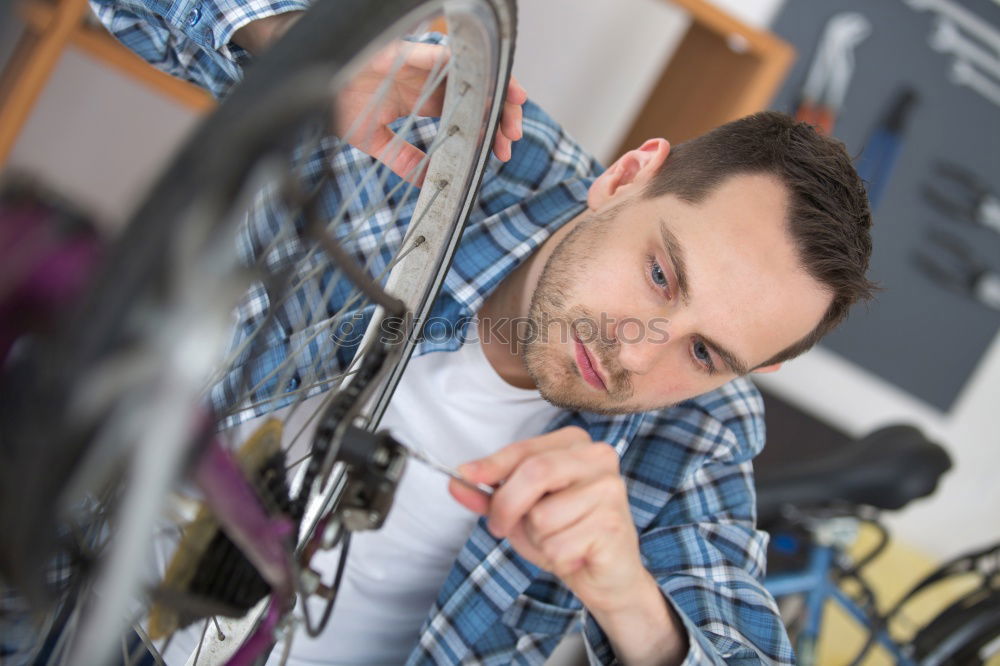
x=262, y=539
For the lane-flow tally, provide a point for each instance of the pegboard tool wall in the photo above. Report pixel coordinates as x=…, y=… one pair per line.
x=919, y=335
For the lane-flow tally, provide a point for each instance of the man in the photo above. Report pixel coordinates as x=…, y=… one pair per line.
x=619, y=434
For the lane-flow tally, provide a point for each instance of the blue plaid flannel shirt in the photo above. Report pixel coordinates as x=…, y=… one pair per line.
x=688, y=468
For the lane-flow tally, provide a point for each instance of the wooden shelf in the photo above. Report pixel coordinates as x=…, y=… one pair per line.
x=49, y=29
x=722, y=70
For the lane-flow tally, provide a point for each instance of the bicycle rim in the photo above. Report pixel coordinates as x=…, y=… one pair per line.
x=159, y=321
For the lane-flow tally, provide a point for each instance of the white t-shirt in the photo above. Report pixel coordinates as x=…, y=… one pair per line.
x=454, y=406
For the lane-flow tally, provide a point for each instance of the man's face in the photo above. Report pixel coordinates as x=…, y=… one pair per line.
x=648, y=302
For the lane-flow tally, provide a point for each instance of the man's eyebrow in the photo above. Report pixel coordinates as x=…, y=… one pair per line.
x=675, y=251
x=736, y=365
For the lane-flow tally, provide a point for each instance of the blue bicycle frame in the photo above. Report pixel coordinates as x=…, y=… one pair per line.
x=816, y=584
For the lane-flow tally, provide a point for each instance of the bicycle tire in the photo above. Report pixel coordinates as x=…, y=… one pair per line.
x=967, y=633
x=200, y=176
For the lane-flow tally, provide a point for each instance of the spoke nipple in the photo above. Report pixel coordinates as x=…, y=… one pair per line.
x=218, y=630
x=464, y=88
x=442, y=184
x=419, y=240
x=453, y=130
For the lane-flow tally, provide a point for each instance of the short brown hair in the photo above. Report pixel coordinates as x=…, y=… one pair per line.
x=829, y=218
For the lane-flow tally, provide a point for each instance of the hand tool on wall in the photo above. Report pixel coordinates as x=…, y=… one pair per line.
x=975, y=43
x=956, y=192
x=967, y=20
x=965, y=74
x=947, y=38
x=831, y=70
x=951, y=263
x=880, y=151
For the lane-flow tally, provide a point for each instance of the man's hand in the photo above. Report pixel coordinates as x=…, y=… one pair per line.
x=367, y=128
x=411, y=65
x=563, y=505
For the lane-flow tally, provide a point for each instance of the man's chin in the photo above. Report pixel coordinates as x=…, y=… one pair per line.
x=578, y=403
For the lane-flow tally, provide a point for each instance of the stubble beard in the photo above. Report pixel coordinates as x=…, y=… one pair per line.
x=545, y=354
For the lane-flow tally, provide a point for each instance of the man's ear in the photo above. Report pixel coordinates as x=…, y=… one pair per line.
x=764, y=369
x=629, y=173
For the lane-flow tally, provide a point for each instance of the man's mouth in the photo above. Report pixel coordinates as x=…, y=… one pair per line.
x=588, y=369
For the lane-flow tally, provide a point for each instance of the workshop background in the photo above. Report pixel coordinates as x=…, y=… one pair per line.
x=926, y=129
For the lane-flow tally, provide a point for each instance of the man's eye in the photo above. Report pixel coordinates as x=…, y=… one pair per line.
x=657, y=275
x=703, y=355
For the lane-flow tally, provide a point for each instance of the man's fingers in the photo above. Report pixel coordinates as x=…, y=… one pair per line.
x=422, y=56
x=502, y=147
x=509, y=132
x=497, y=467
x=566, y=552
x=558, y=511
x=510, y=129
x=434, y=106
x=515, y=93
x=471, y=499
x=402, y=158
x=551, y=471
x=510, y=121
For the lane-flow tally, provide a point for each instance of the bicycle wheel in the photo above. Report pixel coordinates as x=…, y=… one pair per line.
x=259, y=218
x=965, y=634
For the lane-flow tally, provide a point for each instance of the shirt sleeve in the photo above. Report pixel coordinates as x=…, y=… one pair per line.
x=703, y=547
x=189, y=39
x=211, y=23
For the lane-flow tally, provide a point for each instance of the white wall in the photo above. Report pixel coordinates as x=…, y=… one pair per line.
x=99, y=137
x=592, y=63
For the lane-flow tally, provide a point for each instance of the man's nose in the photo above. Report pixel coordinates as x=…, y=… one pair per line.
x=641, y=344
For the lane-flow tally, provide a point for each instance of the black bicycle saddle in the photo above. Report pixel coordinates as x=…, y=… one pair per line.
x=886, y=469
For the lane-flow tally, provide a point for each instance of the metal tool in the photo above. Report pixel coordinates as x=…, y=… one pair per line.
x=947, y=38
x=883, y=145
x=950, y=262
x=966, y=74
x=831, y=70
x=426, y=459
x=956, y=192
x=962, y=17
x=977, y=59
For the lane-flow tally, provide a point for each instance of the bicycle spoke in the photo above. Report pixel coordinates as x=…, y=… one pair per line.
x=163, y=649
x=290, y=359
x=201, y=642
x=287, y=369
x=218, y=630
x=62, y=643
x=302, y=288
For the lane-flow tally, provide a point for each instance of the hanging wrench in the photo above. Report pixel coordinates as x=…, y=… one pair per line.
x=948, y=39
x=963, y=17
x=966, y=74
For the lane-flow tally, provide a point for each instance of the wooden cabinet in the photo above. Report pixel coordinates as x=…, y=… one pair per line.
x=722, y=70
